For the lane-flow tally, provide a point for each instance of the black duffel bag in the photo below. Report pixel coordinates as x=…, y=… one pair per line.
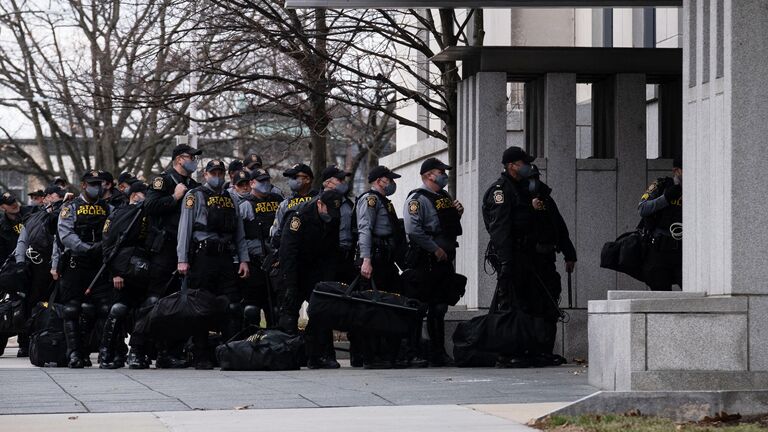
x=339, y=306
x=185, y=313
x=420, y=285
x=478, y=341
x=47, y=344
x=264, y=350
x=626, y=254
x=12, y=314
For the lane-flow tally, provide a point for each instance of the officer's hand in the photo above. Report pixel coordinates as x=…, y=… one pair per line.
x=366, y=269
x=673, y=193
x=179, y=192
x=537, y=204
x=243, y=271
x=441, y=255
x=459, y=207
x=68, y=196
x=54, y=274
x=118, y=282
x=183, y=268
x=570, y=266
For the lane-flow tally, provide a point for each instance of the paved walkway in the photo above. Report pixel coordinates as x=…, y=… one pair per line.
x=411, y=399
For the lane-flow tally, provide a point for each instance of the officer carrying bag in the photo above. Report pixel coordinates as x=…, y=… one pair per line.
x=186, y=312
x=47, y=345
x=264, y=350
x=338, y=306
x=625, y=254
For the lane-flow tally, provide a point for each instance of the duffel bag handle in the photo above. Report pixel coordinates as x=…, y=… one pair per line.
x=354, y=284
x=184, y=286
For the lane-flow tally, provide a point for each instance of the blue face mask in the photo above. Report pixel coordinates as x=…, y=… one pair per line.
x=215, y=182
x=294, y=184
x=93, y=191
x=342, y=188
x=525, y=171
x=441, y=180
x=264, y=188
x=390, y=188
x=189, y=166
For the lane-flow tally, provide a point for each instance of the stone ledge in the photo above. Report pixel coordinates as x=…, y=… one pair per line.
x=630, y=295
x=718, y=305
x=699, y=380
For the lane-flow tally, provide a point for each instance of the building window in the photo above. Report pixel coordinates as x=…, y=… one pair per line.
x=649, y=28
x=692, y=36
x=607, y=28
x=705, y=45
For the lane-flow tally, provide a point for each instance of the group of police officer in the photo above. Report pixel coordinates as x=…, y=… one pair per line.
x=237, y=236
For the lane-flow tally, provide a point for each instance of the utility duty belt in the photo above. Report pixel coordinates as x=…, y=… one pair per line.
x=214, y=247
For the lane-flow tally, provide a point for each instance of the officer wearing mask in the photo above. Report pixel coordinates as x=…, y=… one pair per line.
x=124, y=181
x=211, y=238
x=300, y=181
x=163, y=207
x=335, y=178
x=114, y=196
x=254, y=161
x=526, y=232
x=234, y=167
x=80, y=227
x=36, y=198
x=258, y=209
x=35, y=248
x=129, y=269
x=433, y=223
x=307, y=256
x=10, y=228
x=661, y=208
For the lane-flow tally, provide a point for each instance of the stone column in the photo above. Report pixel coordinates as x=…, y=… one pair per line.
x=481, y=141
x=630, y=144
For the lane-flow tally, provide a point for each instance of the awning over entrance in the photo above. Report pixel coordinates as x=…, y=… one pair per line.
x=589, y=64
x=410, y=4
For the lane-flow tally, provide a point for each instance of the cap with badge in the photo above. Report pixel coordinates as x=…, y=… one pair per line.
x=125, y=177
x=240, y=177
x=235, y=165
x=299, y=168
x=7, y=199
x=185, y=149
x=334, y=171
x=38, y=193
x=107, y=176
x=93, y=176
x=514, y=154
x=260, y=174
x=215, y=165
x=332, y=200
x=253, y=161
x=59, y=181
x=433, y=163
x=53, y=189
x=381, y=171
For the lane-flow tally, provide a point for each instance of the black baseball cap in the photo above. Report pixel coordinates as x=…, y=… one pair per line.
x=93, y=176
x=334, y=171
x=8, y=199
x=53, y=189
x=107, y=176
x=253, y=160
x=37, y=193
x=137, y=186
x=59, y=180
x=214, y=165
x=433, y=163
x=183, y=148
x=260, y=174
x=677, y=162
x=235, y=165
x=124, y=177
x=381, y=171
x=332, y=200
x=514, y=154
x=298, y=168
x=241, y=176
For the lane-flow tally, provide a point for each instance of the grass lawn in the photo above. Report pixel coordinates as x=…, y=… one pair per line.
x=617, y=423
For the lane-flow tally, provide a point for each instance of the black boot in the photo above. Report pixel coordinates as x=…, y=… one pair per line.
x=137, y=359
x=436, y=328
x=23, y=341
x=106, y=348
x=72, y=335
x=169, y=359
x=87, y=323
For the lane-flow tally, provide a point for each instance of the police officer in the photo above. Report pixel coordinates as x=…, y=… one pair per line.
x=334, y=178
x=80, y=227
x=254, y=161
x=163, y=206
x=258, y=209
x=433, y=223
x=129, y=270
x=36, y=198
x=211, y=238
x=307, y=256
x=234, y=167
x=11, y=224
x=526, y=232
x=661, y=208
x=124, y=181
x=114, y=196
x=300, y=178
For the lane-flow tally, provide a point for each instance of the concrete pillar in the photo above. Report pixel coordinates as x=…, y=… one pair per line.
x=630, y=144
x=481, y=141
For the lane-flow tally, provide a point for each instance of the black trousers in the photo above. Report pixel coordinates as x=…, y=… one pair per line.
x=255, y=290
x=663, y=266
x=134, y=295
x=94, y=307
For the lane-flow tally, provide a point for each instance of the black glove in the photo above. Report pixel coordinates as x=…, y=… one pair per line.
x=673, y=193
x=288, y=324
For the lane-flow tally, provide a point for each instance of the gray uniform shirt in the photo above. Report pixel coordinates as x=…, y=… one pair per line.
x=346, y=236
x=422, y=224
x=372, y=221
x=66, y=229
x=194, y=210
x=291, y=203
x=20, y=252
x=247, y=214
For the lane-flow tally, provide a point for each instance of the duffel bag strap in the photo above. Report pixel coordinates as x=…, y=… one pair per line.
x=351, y=287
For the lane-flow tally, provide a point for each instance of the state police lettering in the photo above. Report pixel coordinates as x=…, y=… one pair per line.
x=298, y=200
x=17, y=228
x=443, y=203
x=220, y=201
x=91, y=210
x=266, y=207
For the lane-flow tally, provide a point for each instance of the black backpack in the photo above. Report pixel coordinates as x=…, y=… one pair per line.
x=47, y=345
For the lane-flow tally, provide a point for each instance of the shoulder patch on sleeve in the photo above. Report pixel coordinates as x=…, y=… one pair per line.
x=498, y=197
x=157, y=183
x=295, y=223
x=652, y=187
x=413, y=206
x=190, y=201
x=65, y=212
x=106, y=226
x=372, y=200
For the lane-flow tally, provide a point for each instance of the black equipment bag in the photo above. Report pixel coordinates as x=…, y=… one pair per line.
x=13, y=277
x=47, y=344
x=419, y=285
x=626, y=254
x=186, y=312
x=12, y=316
x=264, y=350
x=338, y=306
